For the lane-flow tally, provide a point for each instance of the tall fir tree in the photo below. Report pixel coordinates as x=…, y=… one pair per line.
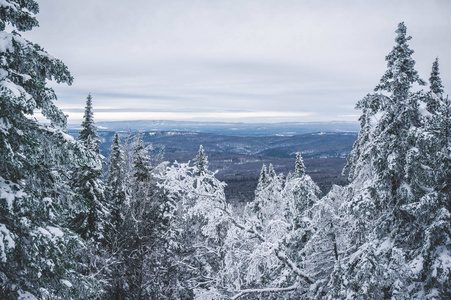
x=299, y=169
x=432, y=211
x=143, y=226
x=201, y=162
x=393, y=239
x=88, y=134
x=37, y=248
x=436, y=87
x=116, y=184
x=91, y=218
x=395, y=136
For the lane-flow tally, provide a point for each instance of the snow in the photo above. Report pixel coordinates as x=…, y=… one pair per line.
x=443, y=261
x=66, y=282
x=9, y=191
x=44, y=232
x=5, y=236
x=3, y=74
x=45, y=54
x=6, y=41
x=417, y=265
x=55, y=231
x=26, y=296
x=67, y=137
x=6, y=4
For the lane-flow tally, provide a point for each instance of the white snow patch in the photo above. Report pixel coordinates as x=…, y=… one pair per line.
x=26, y=296
x=6, y=4
x=387, y=244
x=44, y=232
x=9, y=191
x=5, y=236
x=66, y=282
x=443, y=261
x=55, y=231
x=417, y=265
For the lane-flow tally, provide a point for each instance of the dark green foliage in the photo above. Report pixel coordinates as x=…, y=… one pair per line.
x=35, y=160
x=19, y=14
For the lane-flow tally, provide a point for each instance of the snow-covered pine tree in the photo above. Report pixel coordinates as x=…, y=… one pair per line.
x=91, y=218
x=199, y=225
x=116, y=184
x=299, y=169
x=147, y=264
x=36, y=247
x=265, y=249
x=88, y=135
x=436, y=87
x=140, y=169
x=201, y=162
x=389, y=173
x=262, y=180
x=432, y=211
x=300, y=194
x=116, y=233
x=138, y=233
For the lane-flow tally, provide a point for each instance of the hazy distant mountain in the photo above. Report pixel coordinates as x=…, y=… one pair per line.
x=239, y=159
x=237, y=129
x=311, y=145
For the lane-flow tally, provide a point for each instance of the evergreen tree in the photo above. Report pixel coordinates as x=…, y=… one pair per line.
x=140, y=172
x=394, y=240
x=117, y=198
x=433, y=209
x=198, y=227
x=90, y=218
x=201, y=162
x=299, y=168
x=36, y=247
x=262, y=180
x=395, y=136
x=300, y=194
x=147, y=268
x=436, y=87
x=88, y=135
x=116, y=184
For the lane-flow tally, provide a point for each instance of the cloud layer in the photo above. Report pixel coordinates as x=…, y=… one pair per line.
x=301, y=60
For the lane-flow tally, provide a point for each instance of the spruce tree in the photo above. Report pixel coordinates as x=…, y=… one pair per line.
x=395, y=136
x=201, y=162
x=91, y=218
x=435, y=80
x=37, y=248
x=433, y=209
x=299, y=168
x=116, y=184
x=88, y=135
x=262, y=180
x=140, y=171
x=144, y=229
x=300, y=194
x=392, y=200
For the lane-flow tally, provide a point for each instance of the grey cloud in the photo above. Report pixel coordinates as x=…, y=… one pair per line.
x=319, y=56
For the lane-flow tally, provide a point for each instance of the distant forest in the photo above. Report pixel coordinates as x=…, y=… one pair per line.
x=152, y=229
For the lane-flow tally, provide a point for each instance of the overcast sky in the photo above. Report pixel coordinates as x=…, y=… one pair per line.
x=248, y=61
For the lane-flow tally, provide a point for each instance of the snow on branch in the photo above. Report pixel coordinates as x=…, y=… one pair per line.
x=265, y=290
